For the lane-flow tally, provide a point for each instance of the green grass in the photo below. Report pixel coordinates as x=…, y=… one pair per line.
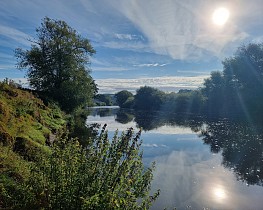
x=24, y=115
x=25, y=125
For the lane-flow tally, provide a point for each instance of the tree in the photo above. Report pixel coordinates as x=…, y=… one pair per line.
x=57, y=62
x=213, y=90
x=244, y=76
x=106, y=99
x=124, y=98
x=148, y=98
x=246, y=66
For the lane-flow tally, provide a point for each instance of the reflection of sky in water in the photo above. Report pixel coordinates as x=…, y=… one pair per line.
x=188, y=174
x=112, y=125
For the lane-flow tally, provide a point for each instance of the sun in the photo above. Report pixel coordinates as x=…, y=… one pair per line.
x=220, y=16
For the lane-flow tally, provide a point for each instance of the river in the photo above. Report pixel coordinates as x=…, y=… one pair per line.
x=200, y=164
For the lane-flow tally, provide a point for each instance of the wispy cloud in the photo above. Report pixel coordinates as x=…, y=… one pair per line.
x=150, y=65
x=154, y=145
x=128, y=37
x=181, y=29
x=15, y=34
x=112, y=68
x=171, y=29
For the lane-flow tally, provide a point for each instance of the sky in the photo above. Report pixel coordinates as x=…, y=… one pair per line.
x=167, y=44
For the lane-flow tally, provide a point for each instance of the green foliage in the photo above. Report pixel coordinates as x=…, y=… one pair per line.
x=56, y=64
x=105, y=99
x=129, y=103
x=238, y=90
x=213, y=90
x=104, y=175
x=124, y=99
x=22, y=115
x=246, y=66
x=13, y=172
x=25, y=126
x=148, y=98
x=244, y=79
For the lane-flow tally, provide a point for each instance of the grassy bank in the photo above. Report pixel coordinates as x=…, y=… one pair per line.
x=27, y=126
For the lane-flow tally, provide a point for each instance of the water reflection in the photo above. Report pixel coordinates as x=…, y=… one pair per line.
x=196, y=158
x=241, y=147
x=239, y=143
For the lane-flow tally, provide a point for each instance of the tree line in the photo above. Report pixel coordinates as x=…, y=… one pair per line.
x=237, y=91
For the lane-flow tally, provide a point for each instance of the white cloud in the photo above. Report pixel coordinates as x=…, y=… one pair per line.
x=116, y=68
x=167, y=84
x=154, y=145
x=150, y=65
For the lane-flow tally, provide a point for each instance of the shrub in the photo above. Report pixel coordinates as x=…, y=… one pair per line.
x=104, y=175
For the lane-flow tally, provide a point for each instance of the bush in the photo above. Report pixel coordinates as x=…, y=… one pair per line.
x=104, y=175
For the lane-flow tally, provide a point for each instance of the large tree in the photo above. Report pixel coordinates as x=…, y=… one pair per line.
x=57, y=64
x=124, y=98
x=244, y=77
x=148, y=98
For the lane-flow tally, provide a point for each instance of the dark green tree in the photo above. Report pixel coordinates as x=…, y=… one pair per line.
x=56, y=64
x=124, y=99
x=106, y=99
x=244, y=76
x=213, y=90
x=148, y=98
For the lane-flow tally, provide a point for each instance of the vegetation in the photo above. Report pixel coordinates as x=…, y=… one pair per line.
x=56, y=65
x=26, y=124
x=105, y=175
x=27, y=127
x=105, y=100
x=124, y=99
x=148, y=98
x=37, y=173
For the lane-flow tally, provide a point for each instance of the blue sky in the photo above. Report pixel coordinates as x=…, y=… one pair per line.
x=169, y=44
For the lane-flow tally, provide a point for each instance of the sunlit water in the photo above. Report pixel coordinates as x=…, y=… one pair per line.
x=188, y=174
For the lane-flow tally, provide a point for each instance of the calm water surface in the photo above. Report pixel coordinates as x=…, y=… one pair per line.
x=199, y=164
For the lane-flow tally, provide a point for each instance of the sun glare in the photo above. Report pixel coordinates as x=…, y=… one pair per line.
x=219, y=193
x=220, y=16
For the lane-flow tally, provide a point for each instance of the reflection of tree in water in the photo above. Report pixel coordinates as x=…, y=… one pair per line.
x=241, y=146
x=79, y=129
x=124, y=116
x=149, y=120
x=106, y=112
x=103, y=112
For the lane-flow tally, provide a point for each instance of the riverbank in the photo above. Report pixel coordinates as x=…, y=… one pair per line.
x=27, y=128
